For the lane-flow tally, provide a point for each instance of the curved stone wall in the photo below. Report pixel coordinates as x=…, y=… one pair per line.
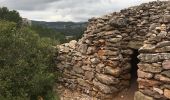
x=154, y=66
x=99, y=63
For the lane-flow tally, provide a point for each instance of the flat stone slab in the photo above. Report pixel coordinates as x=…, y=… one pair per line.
x=141, y=96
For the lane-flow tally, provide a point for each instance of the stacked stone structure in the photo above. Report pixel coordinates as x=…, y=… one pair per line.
x=99, y=63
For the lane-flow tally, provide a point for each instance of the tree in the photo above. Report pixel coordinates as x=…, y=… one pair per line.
x=12, y=16
x=26, y=61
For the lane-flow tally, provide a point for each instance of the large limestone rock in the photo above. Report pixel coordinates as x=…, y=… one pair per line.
x=166, y=18
x=150, y=67
x=107, y=79
x=112, y=71
x=142, y=74
x=118, y=22
x=141, y=96
x=166, y=64
x=166, y=73
x=167, y=93
x=104, y=88
x=83, y=48
x=162, y=78
x=72, y=44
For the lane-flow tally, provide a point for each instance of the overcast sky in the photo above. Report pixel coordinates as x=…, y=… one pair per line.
x=67, y=10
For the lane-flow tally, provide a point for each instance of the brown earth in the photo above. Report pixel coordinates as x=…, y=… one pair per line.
x=127, y=94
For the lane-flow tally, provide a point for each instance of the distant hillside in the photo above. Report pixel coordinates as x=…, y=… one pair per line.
x=75, y=29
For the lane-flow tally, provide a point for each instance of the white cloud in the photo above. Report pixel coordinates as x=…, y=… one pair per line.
x=44, y=16
x=67, y=10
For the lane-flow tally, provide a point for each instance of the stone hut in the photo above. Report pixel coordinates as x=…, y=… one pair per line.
x=119, y=48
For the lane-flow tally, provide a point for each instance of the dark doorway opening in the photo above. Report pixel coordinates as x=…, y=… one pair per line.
x=134, y=61
x=133, y=82
x=128, y=94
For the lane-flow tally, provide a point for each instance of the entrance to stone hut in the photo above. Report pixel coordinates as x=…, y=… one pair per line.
x=128, y=94
x=134, y=61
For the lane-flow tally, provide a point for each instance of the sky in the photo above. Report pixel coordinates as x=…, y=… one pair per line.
x=67, y=10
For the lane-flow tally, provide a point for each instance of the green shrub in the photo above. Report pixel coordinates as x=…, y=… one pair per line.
x=26, y=64
x=47, y=32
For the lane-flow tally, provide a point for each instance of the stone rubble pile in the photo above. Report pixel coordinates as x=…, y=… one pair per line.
x=99, y=63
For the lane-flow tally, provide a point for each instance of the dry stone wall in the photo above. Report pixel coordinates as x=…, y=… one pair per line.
x=99, y=63
x=154, y=66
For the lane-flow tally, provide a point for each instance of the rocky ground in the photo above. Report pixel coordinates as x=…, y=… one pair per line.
x=66, y=94
x=127, y=94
